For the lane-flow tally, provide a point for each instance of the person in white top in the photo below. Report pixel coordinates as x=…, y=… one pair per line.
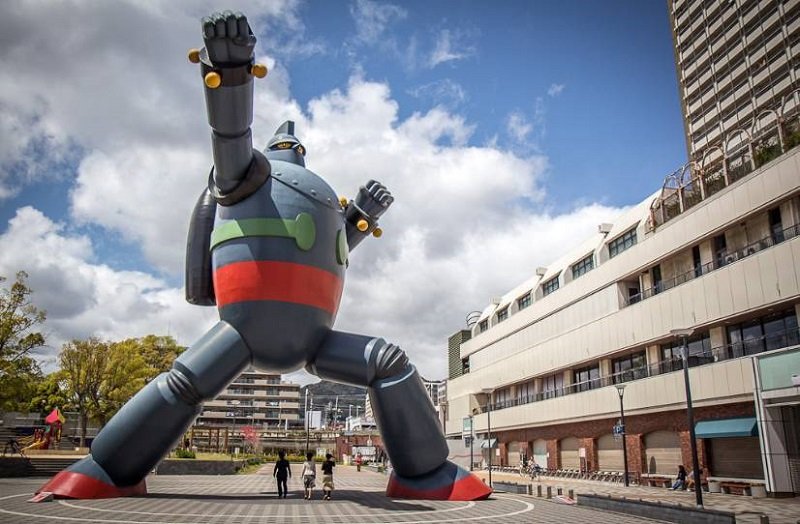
x=309, y=474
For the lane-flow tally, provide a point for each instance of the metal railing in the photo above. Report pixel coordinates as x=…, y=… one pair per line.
x=721, y=260
x=735, y=350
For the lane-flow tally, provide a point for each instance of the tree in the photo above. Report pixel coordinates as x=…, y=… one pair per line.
x=127, y=371
x=84, y=364
x=50, y=393
x=18, y=319
x=159, y=352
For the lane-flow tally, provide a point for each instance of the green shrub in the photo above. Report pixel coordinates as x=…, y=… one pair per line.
x=184, y=454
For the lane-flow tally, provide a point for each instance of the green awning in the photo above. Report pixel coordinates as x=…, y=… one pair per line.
x=728, y=427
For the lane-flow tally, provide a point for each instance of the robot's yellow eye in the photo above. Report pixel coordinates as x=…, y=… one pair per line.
x=283, y=145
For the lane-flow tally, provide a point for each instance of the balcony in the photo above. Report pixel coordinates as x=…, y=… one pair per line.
x=750, y=347
x=722, y=260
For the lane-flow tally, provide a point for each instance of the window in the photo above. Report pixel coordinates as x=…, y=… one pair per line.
x=550, y=286
x=763, y=334
x=524, y=301
x=483, y=325
x=699, y=352
x=553, y=385
x=582, y=267
x=629, y=367
x=621, y=243
x=586, y=378
x=502, y=314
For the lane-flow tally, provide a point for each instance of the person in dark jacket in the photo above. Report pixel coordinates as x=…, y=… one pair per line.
x=281, y=473
x=680, y=480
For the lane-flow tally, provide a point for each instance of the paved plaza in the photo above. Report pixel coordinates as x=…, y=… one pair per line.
x=747, y=509
x=246, y=499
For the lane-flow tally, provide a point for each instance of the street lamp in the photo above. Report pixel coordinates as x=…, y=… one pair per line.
x=684, y=334
x=621, y=392
x=488, y=392
x=307, y=421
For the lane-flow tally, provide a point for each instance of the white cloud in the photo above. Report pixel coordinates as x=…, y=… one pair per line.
x=555, y=89
x=467, y=222
x=83, y=297
x=450, y=46
x=446, y=92
x=518, y=126
x=373, y=18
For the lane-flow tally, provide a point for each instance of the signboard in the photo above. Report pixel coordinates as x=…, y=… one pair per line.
x=618, y=430
x=466, y=428
x=367, y=452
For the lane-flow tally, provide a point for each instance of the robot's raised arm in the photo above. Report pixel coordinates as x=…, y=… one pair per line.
x=361, y=214
x=228, y=69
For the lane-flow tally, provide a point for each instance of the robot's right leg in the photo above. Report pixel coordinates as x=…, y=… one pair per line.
x=147, y=426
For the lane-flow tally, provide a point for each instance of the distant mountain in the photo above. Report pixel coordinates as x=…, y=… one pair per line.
x=325, y=392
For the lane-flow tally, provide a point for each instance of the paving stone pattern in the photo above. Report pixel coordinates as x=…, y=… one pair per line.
x=249, y=499
x=747, y=509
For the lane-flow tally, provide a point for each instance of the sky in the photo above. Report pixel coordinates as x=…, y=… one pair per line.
x=506, y=132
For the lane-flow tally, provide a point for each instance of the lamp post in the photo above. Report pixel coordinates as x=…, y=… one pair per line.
x=621, y=392
x=684, y=334
x=488, y=392
x=307, y=421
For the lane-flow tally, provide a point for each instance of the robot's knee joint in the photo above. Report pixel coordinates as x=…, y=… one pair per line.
x=182, y=387
x=389, y=361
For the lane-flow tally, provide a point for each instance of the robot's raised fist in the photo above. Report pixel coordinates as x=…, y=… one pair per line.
x=228, y=38
x=374, y=199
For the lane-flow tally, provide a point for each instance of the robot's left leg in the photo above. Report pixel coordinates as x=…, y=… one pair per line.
x=405, y=416
x=149, y=424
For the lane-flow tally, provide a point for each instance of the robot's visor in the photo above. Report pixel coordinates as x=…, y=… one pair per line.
x=289, y=145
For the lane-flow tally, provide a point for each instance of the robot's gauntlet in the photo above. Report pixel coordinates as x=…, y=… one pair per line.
x=361, y=214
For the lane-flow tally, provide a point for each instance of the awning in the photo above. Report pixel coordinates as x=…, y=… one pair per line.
x=729, y=427
x=485, y=444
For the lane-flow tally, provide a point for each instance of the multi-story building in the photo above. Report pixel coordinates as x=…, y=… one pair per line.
x=714, y=251
x=254, y=398
x=553, y=349
x=737, y=67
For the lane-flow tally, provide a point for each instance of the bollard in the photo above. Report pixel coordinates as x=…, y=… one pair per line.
x=549, y=492
x=763, y=519
x=571, y=494
x=559, y=491
x=539, y=490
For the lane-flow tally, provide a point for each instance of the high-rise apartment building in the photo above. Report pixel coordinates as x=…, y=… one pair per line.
x=715, y=252
x=737, y=63
x=254, y=398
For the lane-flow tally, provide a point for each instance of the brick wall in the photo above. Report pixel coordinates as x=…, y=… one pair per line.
x=637, y=426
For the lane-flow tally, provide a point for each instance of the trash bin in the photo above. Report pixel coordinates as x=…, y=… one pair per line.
x=714, y=486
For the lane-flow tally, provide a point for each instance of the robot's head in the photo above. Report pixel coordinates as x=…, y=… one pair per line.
x=285, y=146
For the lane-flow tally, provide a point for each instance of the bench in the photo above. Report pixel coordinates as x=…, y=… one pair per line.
x=737, y=486
x=659, y=481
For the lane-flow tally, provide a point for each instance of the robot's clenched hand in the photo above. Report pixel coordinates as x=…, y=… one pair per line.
x=363, y=213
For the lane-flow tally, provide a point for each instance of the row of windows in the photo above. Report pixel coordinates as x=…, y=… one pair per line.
x=583, y=266
x=774, y=331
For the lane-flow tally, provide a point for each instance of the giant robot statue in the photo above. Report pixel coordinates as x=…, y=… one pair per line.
x=274, y=240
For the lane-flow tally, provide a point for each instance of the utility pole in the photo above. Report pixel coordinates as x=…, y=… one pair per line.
x=336, y=413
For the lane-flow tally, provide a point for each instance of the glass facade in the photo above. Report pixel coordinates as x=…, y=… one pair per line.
x=763, y=334
x=586, y=378
x=629, y=367
x=502, y=314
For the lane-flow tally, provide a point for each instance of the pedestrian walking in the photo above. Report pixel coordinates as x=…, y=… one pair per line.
x=327, y=476
x=282, y=472
x=309, y=474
